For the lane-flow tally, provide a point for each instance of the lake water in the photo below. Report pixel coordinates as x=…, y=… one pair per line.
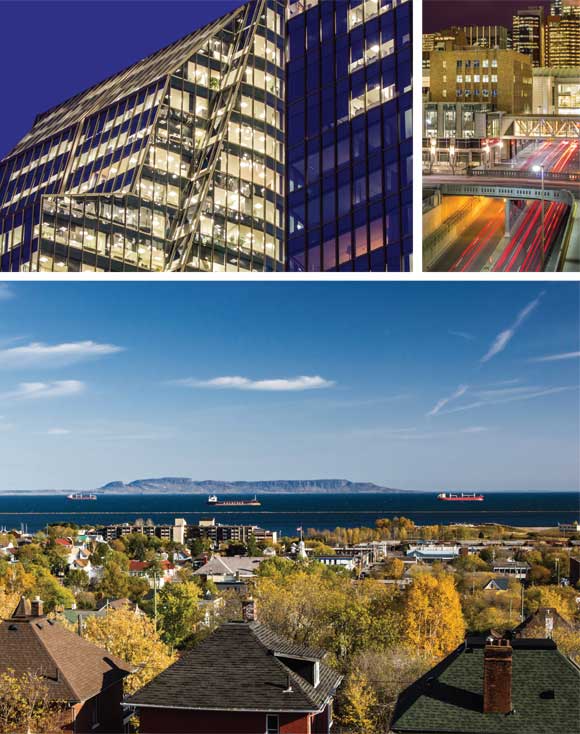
x=287, y=512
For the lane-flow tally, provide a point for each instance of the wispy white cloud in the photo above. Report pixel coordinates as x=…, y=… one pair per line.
x=504, y=337
x=293, y=384
x=462, y=335
x=415, y=434
x=6, y=292
x=58, y=432
x=37, y=354
x=556, y=357
x=532, y=393
x=40, y=390
x=440, y=404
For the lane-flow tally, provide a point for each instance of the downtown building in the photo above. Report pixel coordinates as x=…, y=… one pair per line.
x=529, y=30
x=202, y=156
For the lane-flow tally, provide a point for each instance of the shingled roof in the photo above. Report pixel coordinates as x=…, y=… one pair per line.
x=73, y=668
x=449, y=698
x=242, y=667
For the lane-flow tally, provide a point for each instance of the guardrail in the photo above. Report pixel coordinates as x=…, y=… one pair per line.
x=566, y=238
x=514, y=173
x=443, y=230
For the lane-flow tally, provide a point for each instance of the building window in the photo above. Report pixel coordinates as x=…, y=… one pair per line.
x=272, y=724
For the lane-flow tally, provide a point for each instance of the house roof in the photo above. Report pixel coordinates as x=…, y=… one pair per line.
x=538, y=618
x=449, y=698
x=220, y=566
x=73, y=668
x=511, y=564
x=238, y=668
x=501, y=584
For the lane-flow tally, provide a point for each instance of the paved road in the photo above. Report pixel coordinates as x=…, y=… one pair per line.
x=473, y=248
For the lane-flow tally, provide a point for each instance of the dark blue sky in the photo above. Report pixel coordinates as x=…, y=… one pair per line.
x=440, y=14
x=414, y=385
x=52, y=49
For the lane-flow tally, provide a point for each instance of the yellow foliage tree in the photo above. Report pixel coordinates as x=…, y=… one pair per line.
x=133, y=638
x=358, y=709
x=433, y=620
x=25, y=705
x=8, y=603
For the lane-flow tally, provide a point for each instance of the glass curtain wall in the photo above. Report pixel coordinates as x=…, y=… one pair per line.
x=184, y=173
x=349, y=141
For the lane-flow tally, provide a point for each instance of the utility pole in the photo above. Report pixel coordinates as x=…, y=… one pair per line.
x=155, y=599
x=522, y=609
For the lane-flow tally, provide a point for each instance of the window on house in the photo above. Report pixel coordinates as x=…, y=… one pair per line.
x=272, y=724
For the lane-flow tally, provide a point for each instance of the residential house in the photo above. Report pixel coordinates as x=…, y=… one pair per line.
x=498, y=584
x=210, y=606
x=165, y=575
x=494, y=687
x=85, y=677
x=230, y=572
x=542, y=623
x=242, y=679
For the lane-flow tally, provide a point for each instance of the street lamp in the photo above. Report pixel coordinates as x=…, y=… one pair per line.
x=486, y=150
x=540, y=169
x=433, y=153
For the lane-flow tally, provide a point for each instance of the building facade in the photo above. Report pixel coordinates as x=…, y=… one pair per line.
x=563, y=39
x=183, y=161
x=493, y=76
x=557, y=91
x=349, y=141
x=529, y=34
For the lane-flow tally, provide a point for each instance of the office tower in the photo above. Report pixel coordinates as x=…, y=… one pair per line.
x=176, y=163
x=487, y=36
x=556, y=7
x=502, y=79
x=179, y=163
x=528, y=34
x=349, y=143
x=563, y=39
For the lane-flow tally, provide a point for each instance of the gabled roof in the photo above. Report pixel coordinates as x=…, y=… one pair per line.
x=449, y=698
x=500, y=584
x=239, y=668
x=220, y=566
x=74, y=669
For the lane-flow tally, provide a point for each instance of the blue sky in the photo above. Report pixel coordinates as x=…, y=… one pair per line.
x=72, y=44
x=412, y=385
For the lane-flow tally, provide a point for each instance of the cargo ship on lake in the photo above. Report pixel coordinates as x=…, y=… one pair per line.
x=463, y=497
x=81, y=496
x=215, y=502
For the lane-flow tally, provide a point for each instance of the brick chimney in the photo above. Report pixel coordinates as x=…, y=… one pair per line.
x=249, y=610
x=36, y=607
x=497, y=677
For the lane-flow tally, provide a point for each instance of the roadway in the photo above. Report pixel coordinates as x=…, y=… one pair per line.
x=523, y=252
x=472, y=250
x=562, y=156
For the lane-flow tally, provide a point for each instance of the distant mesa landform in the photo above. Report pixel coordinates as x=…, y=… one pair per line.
x=185, y=485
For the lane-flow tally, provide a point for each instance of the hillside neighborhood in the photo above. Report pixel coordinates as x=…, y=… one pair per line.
x=178, y=628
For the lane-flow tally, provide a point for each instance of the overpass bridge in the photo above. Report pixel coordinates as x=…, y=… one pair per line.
x=512, y=186
x=539, y=127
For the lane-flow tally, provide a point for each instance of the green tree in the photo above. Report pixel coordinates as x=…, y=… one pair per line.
x=179, y=611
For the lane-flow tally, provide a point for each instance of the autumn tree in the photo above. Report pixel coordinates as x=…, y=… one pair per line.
x=433, y=620
x=179, y=611
x=358, y=707
x=133, y=638
x=25, y=705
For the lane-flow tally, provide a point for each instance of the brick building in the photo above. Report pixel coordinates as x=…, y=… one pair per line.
x=500, y=77
x=242, y=679
x=87, y=678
